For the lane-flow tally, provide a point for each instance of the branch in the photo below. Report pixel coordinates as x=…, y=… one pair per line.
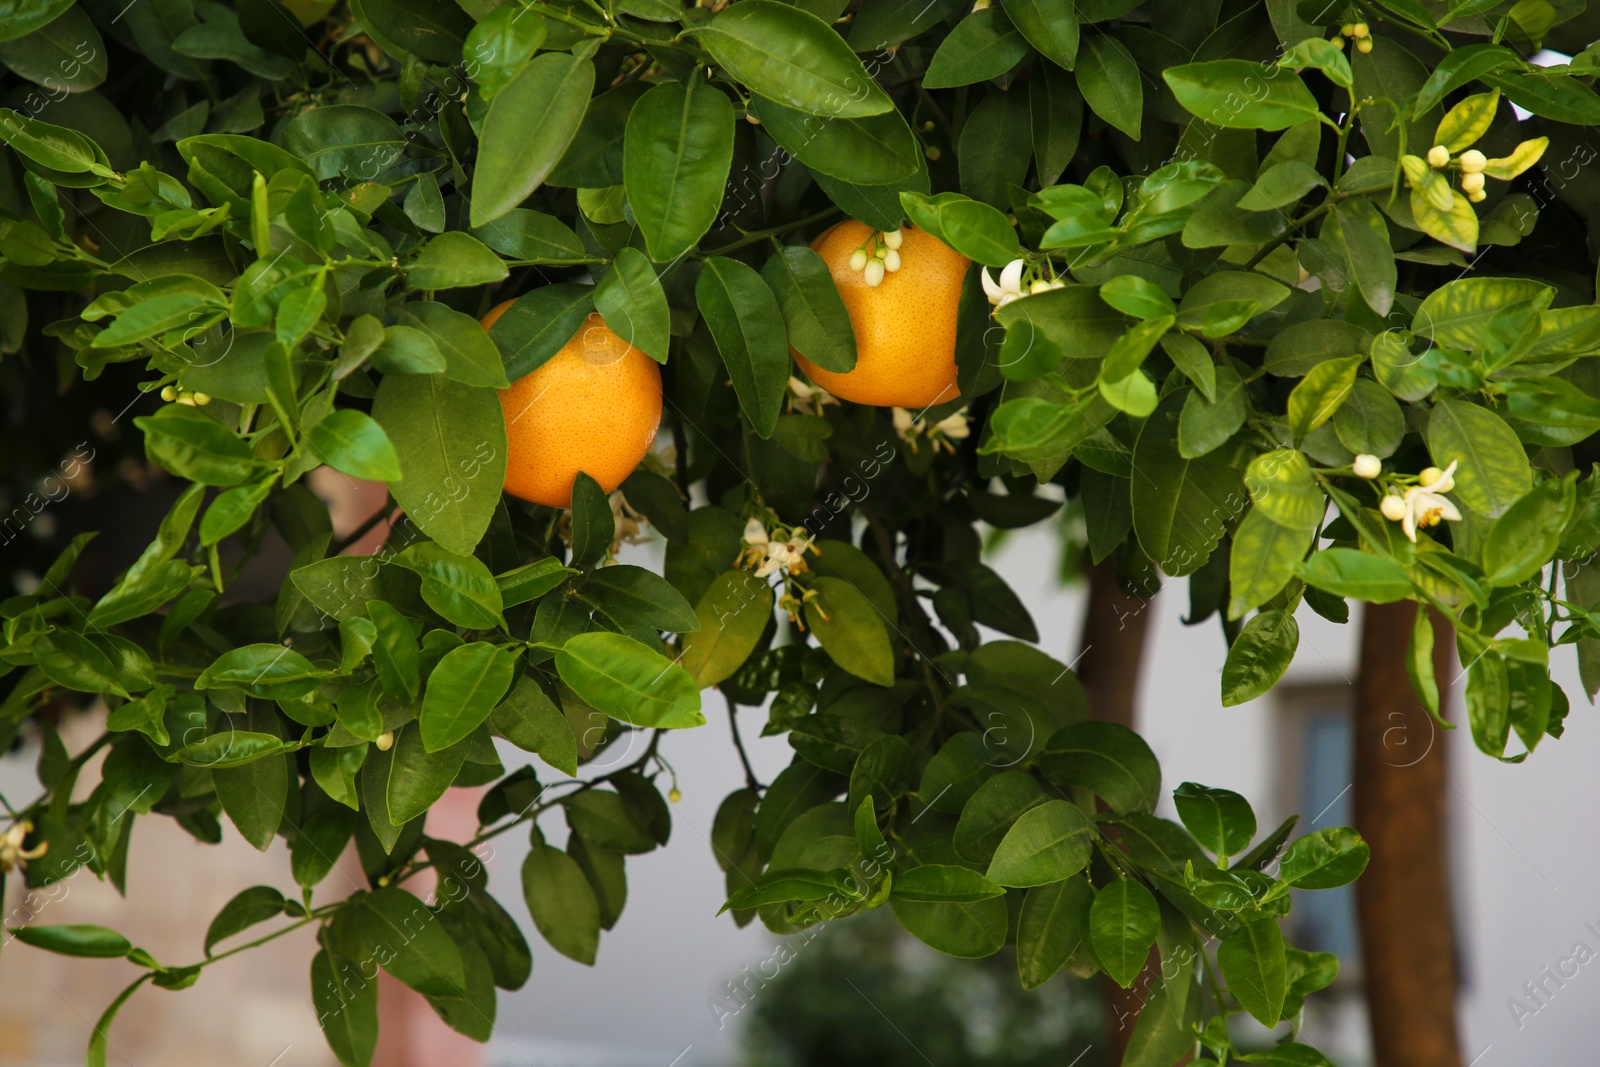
x=738, y=743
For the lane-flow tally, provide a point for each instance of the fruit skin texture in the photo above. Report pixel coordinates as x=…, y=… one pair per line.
x=594, y=407
x=905, y=327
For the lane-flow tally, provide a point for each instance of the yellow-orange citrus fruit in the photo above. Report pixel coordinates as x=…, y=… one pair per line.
x=594, y=407
x=905, y=327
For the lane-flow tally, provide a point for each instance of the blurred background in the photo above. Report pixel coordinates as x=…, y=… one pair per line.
x=676, y=986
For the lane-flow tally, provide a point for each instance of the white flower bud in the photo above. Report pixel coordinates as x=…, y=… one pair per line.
x=385, y=741
x=1367, y=466
x=858, y=260
x=1471, y=183
x=874, y=273
x=891, y=261
x=168, y=393
x=1478, y=197
x=186, y=400
x=1364, y=45
x=1438, y=156
x=1393, y=508
x=1472, y=161
x=1429, y=476
x=893, y=238
x=1039, y=286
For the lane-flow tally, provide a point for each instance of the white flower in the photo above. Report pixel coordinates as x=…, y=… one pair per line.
x=1367, y=466
x=755, y=534
x=954, y=427
x=1425, y=505
x=905, y=425
x=814, y=395
x=1009, y=287
x=12, y=854
x=778, y=557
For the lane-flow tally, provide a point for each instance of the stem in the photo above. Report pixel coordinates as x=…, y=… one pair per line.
x=750, y=778
x=1266, y=249
x=761, y=235
x=365, y=528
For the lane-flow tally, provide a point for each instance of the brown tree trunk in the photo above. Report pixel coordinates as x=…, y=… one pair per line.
x=1400, y=794
x=1114, y=629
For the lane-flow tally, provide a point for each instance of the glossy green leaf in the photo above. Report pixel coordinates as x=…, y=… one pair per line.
x=676, y=155
x=528, y=126
x=622, y=678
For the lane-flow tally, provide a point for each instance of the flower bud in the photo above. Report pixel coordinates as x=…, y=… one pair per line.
x=1348, y=29
x=1364, y=45
x=1429, y=476
x=1393, y=508
x=891, y=261
x=1367, y=465
x=385, y=741
x=893, y=238
x=186, y=400
x=202, y=399
x=1359, y=30
x=932, y=152
x=1438, y=156
x=858, y=260
x=1472, y=161
x=1471, y=183
x=673, y=795
x=874, y=273
x=168, y=393
x=1338, y=42
x=1478, y=197
x=1039, y=286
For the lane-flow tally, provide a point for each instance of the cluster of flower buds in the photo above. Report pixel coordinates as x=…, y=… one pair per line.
x=775, y=552
x=178, y=394
x=1475, y=166
x=1358, y=32
x=1013, y=285
x=880, y=255
x=947, y=433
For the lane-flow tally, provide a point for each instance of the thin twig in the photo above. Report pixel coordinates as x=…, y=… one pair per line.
x=750, y=778
x=365, y=528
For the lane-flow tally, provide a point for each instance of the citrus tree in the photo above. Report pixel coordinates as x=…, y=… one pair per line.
x=1287, y=300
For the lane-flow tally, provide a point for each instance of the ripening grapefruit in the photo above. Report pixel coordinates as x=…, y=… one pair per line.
x=594, y=407
x=905, y=325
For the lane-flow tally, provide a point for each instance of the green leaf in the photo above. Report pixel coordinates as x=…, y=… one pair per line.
x=470, y=357
x=850, y=630
x=347, y=1012
x=18, y=18
x=72, y=660
x=967, y=931
x=531, y=721
x=1123, y=921
x=1364, y=236
x=1259, y=656
x=397, y=930
x=460, y=588
x=528, y=127
x=1108, y=759
x=993, y=150
x=818, y=324
x=562, y=902
x=1370, y=420
x=634, y=306
x=675, y=162
x=1046, y=844
x=455, y=260
x=1110, y=82
x=1319, y=394
x=990, y=813
x=1322, y=55
x=786, y=885
x=349, y=139
x=1459, y=67
x=732, y=615
x=748, y=327
x=1262, y=560
x=427, y=31
x=1253, y=960
x=620, y=677
x=1494, y=471
x=1326, y=859
x=451, y=442
x=791, y=56
x=1455, y=225
x=1050, y=928
x=1240, y=94
x=319, y=844
x=983, y=45
x=67, y=53
x=248, y=907
x=523, y=233
x=539, y=324
x=463, y=689
x=499, y=45
x=263, y=670
x=1180, y=506
x=352, y=442
x=943, y=883
x=1467, y=121
x=977, y=230
x=1349, y=572
x=1205, y=425
x=593, y=524
x=80, y=939
x=195, y=446
x=1057, y=111
x=1220, y=819
x=1051, y=26
x=1526, y=537
x=1457, y=314
x=877, y=150
x=414, y=778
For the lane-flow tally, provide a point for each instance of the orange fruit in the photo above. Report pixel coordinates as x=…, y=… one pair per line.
x=905, y=327
x=594, y=407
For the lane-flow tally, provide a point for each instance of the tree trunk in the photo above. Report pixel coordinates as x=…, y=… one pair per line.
x=1400, y=791
x=1114, y=628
